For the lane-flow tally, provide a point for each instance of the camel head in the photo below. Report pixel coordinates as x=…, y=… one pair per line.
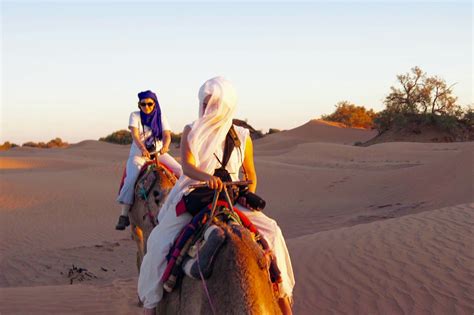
x=145, y=210
x=165, y=181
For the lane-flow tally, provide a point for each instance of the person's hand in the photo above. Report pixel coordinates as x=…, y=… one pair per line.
x=164, y=150
x=215, y=182
x=145, y=153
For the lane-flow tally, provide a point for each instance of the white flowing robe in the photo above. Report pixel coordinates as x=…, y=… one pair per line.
x=150, y=288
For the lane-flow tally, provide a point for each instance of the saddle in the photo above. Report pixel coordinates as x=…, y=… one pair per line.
x=146, y=168
x=146, y=180
x=148, y=176
x=197, y=245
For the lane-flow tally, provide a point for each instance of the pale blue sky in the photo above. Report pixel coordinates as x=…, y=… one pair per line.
x=73, y=69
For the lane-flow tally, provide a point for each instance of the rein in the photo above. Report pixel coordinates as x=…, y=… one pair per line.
x=205, y=285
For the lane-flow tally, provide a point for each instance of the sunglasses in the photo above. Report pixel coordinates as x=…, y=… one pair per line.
x=150, y=104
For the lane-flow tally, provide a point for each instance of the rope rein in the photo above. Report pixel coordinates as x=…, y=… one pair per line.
x=205, y=285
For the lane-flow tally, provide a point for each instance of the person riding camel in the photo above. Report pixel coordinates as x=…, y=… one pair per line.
x=151, y=133
x=201, y=143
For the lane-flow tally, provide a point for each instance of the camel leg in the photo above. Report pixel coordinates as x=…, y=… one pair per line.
x=137, y=235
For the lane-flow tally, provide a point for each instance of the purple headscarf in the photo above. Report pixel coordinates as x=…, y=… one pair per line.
x=152, y=120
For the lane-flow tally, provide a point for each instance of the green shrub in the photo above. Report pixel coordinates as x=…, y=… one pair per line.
x=119, y=137
x=447, y=123
x=468, y=117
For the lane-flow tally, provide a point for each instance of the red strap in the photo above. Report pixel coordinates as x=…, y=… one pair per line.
x=245, y=221
x=180, y=207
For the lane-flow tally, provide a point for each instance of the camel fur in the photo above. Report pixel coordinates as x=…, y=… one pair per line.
x=239, y=284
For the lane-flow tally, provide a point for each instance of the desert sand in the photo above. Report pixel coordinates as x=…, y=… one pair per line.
x=384, y=229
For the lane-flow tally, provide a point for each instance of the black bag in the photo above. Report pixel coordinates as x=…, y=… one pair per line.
x=201, y=197
x=254, y=201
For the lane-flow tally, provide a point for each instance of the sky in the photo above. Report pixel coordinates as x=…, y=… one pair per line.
x=72, y=69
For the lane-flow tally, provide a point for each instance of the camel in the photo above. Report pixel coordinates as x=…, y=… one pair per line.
x=144, y=212
x=240, y=281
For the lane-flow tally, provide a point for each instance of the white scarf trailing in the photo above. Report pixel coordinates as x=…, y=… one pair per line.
x=208, y=132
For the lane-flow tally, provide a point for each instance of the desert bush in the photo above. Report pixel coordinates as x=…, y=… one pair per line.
x=468, y=117
x=419, y=93
x=447, y=123
x=352, y=115
x=422, y=100
x=30, y=144
x=118, y=137
x=125, y=137
x=273, y=130
x=54, y=143
x=7, y=145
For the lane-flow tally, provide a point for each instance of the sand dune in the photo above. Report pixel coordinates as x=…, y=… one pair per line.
x=313, y=131
x=324, y=186
x=415, y=264
x=117, y=297
x=385, y=229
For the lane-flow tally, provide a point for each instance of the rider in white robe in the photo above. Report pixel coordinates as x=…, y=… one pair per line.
x=205, y=137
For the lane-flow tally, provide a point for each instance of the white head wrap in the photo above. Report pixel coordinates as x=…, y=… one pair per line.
x=207, y=133
x=213, y=124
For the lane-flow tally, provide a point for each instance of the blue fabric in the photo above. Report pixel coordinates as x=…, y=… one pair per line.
x=152, y=120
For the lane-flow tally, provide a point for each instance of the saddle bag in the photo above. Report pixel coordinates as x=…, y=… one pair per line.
x=201, y=197
x=254, y=201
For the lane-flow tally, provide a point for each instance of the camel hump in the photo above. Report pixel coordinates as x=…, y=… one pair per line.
x=239, y=284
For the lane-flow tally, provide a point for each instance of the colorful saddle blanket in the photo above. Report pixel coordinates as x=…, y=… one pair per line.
x=146, y=180
x=192, y=232
x=145, y=168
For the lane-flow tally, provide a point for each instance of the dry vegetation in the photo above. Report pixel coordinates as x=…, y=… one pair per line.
x=7, y=145
x=425, y=102
x=420, y=108
x=118, y=137
x=54, y=143
x=352, y=115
